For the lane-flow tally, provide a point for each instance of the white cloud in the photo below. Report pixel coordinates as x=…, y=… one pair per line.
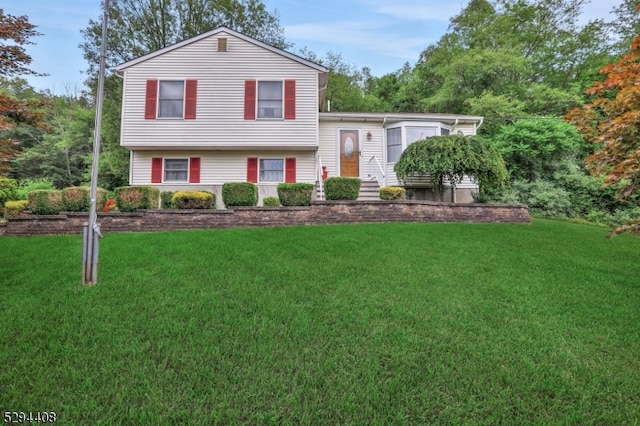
x=416, y=10
x=365, y=35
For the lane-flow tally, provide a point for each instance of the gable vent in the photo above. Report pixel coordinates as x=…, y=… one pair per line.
x=222, y=44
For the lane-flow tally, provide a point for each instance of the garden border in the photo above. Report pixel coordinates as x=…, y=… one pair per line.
x=319, y=213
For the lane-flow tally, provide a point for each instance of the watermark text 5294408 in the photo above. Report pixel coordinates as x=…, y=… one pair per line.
x=30, y=417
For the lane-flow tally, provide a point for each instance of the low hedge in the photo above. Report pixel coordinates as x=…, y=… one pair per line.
x=342, y=188
x=239, y=194
x=78, y=199
x=165, y=199
x=132, y=198
x=45, y=201
x=295, y=194
x=193, y=200
x=14, y=208
x=271, y=202
x=393, y=193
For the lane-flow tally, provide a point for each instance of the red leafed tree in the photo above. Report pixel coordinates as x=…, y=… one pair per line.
x=612, y=122
x=14, y=61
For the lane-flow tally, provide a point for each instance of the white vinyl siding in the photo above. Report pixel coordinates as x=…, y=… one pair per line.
x=221, y=80
x=218, y=167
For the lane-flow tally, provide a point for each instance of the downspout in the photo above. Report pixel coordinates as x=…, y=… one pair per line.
x=478, y=126
x=384, y=148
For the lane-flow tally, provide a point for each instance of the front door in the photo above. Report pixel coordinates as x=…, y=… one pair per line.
x=349, y=153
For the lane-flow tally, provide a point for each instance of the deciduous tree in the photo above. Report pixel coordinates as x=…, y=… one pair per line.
x=612, y=122
x=17, y=30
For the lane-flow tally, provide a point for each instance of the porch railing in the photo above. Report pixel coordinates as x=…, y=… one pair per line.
x=376, y=171
x=319, y=177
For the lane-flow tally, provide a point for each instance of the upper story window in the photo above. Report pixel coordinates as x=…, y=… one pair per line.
x=275, y=99
x=270, y=99
x=171, y=99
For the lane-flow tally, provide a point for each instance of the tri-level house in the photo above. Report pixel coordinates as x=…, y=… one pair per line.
x=224, y=107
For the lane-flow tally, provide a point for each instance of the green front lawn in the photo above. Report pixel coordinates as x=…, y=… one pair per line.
x=358, y=324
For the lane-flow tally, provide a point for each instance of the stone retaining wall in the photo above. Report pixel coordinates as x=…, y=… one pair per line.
x=321, y=212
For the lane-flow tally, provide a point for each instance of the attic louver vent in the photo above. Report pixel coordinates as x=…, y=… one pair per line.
x=222, y=45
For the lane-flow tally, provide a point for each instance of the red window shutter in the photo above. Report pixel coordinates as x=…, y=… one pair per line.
x=252, y=170
x=151, y=100
x=290, y=170
x=156, y=170
x=289, y=99
x=194, y=170
x=190, y=96
x=250, y=100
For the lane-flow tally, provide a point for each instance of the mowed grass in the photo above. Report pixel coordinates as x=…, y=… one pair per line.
x=358, y=324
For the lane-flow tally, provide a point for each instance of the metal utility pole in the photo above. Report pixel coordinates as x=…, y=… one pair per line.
x=91, y=229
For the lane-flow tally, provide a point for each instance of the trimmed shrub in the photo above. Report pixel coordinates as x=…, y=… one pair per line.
x=45, y=201
x=393, y=193
x=271, y=202
x=193, y=200
x=165, y=199
x=14, y=208
x=295, y=194
x=342, y=188
x=8, y=190
x=239, y=194
x=78, y=199
x=132, y=198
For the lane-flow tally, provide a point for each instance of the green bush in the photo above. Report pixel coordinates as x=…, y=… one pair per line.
x=28, y=185
x=14, y=208
x=342, y=188
x=239, y=194
x=78, y=199
x=544, y=198
x=165, y=199
x=271, y=202
x=295, y=194
x=45, y=201
x=193, y=200
x=8, y=190
x=393, y=193
x=132, y=198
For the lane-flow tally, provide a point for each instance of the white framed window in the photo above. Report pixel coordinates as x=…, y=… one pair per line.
x=171, y=99
x=399, y=138
x=176, y=169
x=419, y=133
x=270, y=99
x=271, y=169
x=394, y=144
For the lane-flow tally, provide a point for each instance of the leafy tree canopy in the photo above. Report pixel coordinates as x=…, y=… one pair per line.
x=17, y=30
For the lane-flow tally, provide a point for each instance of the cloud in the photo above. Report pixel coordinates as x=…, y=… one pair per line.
x=371, y=36
x=415, y=10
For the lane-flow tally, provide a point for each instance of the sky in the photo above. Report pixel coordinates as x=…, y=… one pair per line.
x=380, y=34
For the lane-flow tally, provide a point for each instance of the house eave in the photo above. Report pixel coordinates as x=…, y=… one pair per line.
x=296, y=148
x=390, y=118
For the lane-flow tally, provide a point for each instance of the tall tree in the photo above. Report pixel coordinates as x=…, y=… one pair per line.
x=14, y=61
x=612, y=122
x=518, y=49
